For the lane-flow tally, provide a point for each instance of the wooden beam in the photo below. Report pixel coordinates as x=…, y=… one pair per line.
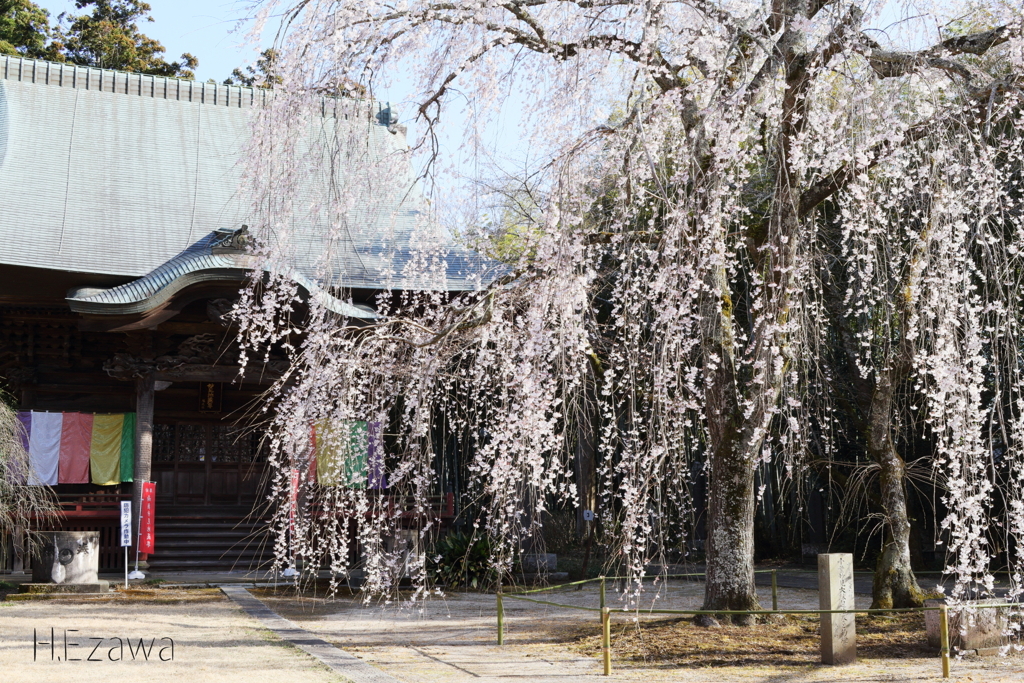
x=216, y=373
x=174, y=327
x=80, y=389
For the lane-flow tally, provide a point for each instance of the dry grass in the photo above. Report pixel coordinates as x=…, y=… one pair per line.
x=170, y=595
x=793, y=641
x=133, y=594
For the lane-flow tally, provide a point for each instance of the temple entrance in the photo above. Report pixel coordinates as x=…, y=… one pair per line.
x=209, y=477
x=206, y=464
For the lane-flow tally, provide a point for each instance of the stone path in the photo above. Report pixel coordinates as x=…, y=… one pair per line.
x=342, y=662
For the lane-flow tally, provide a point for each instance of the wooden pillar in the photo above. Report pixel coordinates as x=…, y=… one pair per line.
x=144, y=393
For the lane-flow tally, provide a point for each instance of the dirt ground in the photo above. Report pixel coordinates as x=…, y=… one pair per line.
x=451, y=638
x=214, y=641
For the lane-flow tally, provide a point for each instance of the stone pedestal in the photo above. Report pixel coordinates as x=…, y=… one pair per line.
x=60, y=588
x=539, y=563
x=970, y=630
x=67, y=557
x=409, y=544
x=835, y=591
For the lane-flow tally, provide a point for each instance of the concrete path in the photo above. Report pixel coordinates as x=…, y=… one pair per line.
x=347, y=665
x=808, y=580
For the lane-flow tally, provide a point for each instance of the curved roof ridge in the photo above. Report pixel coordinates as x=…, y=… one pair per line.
x=198, y=263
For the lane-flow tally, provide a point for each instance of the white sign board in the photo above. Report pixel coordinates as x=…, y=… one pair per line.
x=126, y=523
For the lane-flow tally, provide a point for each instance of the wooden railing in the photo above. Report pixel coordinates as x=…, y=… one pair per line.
x=106, y=505
x=92, y=505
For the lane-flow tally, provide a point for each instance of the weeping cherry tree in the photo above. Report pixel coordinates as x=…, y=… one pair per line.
x=676, y=283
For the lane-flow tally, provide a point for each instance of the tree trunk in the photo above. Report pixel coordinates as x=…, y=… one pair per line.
x=894, y=583
x=739, y=408
x=585, y=465
x=730, y=543
x=729, y=548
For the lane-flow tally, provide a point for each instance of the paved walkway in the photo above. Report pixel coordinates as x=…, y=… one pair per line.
x=342, y=662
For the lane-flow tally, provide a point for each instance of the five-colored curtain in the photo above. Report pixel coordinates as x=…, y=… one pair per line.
x=349, y=454
x=79, y=448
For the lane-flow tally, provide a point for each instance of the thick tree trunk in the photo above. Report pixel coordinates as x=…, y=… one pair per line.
x=585, y=466
x=739, y=408
x=730, y=542
x=729, y=548
x=894, y=582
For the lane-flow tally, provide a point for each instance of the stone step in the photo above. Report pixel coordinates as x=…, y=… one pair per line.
x=209, y=542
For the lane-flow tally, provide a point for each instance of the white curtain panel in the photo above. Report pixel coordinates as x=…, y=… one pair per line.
x=44, y=448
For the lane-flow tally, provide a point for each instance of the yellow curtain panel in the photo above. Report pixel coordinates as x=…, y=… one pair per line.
x=341, y=454
x=105, y=451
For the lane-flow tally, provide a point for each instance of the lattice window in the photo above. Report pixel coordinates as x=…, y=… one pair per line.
x=230, y=444
x=163, y=443
x=191, y=443
x=197, y=442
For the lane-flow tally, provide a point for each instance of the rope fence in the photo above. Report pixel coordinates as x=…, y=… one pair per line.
x=606, y=612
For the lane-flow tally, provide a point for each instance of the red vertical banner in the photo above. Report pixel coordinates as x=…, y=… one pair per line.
x=146, y=516
x=293, y=499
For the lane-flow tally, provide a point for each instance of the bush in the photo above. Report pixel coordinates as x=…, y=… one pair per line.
x=463, y=560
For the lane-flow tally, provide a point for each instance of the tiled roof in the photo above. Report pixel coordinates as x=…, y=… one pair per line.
x=196, y=264
x=123, y=174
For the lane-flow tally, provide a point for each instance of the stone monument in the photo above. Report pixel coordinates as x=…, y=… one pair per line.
x=971, y=627
x=835, y=591
x=66, y=561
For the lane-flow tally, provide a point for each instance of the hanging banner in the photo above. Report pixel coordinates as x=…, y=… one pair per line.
x=78, y=448
x=147, y=514
x=126, y=523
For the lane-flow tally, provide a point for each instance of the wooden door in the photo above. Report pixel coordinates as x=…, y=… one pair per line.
x=201, y=464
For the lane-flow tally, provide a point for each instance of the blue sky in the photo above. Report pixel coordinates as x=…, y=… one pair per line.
x=202, y=27
x=210, y=30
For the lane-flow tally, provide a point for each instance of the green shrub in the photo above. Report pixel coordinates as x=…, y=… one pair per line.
x=463, y=560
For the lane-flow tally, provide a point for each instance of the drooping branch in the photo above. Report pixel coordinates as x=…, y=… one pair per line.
x=891, y=64
x=979, y=101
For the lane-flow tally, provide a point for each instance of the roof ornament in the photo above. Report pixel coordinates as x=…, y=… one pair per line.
x=230, y=240
x=386, y=116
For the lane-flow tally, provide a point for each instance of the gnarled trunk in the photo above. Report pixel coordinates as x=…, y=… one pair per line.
x=729, y=548
x=894, y=583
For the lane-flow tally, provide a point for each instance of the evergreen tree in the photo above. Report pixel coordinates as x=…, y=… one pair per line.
x=109, y=37
x=25, y=29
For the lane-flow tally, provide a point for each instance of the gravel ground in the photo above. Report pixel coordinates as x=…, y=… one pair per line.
x=449, y=639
